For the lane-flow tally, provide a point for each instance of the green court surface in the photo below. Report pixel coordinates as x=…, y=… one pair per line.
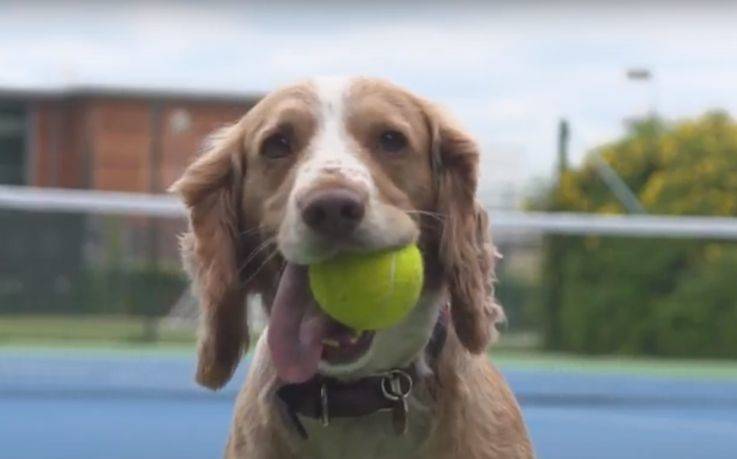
x=671, y=368
x=513, y=359
x=82, y=330
x=124, y=335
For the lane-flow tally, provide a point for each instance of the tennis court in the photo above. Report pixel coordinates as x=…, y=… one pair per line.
x=86, y=403
x=127, y=401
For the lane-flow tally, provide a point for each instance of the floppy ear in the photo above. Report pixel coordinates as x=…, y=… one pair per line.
x=211, y=190
x=465, y=250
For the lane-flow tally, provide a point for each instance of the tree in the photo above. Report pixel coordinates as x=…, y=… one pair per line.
x=655, y=296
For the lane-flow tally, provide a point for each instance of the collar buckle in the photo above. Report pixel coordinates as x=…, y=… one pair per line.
x=323, y=398
x=396, y=385
x=324, y=411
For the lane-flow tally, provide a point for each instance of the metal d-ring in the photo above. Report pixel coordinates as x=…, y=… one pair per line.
x=391, y=385
x=324, y=406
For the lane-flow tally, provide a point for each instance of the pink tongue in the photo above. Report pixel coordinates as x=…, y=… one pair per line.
x=296, y=329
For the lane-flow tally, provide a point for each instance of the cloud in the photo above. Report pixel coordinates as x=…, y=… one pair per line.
x=508, y=73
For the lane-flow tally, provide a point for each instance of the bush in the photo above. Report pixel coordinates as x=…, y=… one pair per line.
x=151, y=291
x=138, y=290
x=649, y=296
x=519, y=296
x=700, y=317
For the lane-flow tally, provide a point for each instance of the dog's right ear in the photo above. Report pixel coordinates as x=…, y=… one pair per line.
x=466, y=251
x=211, y=190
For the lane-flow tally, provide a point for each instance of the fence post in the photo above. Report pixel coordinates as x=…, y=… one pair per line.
x=554, y=262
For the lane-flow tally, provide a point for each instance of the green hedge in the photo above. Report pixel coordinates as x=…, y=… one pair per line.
x=674, y=297
x=138, y=290
x=519, y=296
x=84, y=264
x=657, y=297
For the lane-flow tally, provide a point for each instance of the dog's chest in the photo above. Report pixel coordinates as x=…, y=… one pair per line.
x=366, y=437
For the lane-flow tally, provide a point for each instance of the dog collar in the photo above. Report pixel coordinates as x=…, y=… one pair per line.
x=326, y=398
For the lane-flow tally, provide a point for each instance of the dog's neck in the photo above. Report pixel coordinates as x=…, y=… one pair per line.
x=329, y=399
x=374, y=435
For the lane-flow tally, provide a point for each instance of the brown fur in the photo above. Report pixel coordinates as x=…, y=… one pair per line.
x=210, y=191
x=474, y=414
x=477, y=414
x=236, y=202
x=223, y=249
x=466, y=250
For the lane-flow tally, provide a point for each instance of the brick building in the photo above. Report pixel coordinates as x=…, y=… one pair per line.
x=120, y=140
x=107, y=139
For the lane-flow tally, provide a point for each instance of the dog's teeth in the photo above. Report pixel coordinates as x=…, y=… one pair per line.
x=330, y=342
x=354, y=339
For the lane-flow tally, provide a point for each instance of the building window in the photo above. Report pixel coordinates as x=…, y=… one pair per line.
x=13, y=159
x=180, y=120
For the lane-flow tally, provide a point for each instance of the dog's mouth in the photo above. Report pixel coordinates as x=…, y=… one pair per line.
x=343, y=345
x=301, y=335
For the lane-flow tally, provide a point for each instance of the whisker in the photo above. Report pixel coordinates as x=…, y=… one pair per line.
x=261, y=266
x=260, y=248
x=435, y=215
x=427, y=225
x=249, y=231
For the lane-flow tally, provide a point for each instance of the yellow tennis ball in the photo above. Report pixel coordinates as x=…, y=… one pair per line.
x=368, y=291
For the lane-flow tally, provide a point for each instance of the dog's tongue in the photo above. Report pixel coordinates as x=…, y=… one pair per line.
x=296, y=328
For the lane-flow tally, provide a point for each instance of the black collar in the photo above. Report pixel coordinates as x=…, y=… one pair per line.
x=326, y=398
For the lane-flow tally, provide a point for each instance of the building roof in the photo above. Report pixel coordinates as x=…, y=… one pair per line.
x=110, y=92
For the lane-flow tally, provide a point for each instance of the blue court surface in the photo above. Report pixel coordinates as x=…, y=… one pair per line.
x=58, y=404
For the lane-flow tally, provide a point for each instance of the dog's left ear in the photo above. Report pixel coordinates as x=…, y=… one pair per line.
x=466, y=252
x=210, y=188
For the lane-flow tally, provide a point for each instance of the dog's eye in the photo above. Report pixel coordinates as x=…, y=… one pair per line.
x=392, y=141
x=276, y=146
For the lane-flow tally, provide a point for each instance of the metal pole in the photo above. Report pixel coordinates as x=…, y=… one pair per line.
x=555, y=260
x=618, y=186
x=563, y=137
x=150, y=319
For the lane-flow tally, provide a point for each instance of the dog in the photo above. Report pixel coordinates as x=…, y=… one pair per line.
x=332, y=165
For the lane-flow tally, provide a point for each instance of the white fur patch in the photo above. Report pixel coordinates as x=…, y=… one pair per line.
x=332, y=150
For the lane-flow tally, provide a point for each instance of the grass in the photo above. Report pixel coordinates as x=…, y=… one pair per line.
x=523, y=351
x=614, y=364
x=84, y=331
x=518, y=351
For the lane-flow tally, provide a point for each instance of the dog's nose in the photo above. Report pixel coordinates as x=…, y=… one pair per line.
x=333, y=212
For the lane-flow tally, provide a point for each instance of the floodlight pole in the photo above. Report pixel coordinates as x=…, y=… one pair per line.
x=645, y=76
x=563, y=136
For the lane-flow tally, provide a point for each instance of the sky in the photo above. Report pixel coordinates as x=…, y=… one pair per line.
x=508, y=73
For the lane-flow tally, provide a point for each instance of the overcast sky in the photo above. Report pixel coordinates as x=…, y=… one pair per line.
x=508, y=73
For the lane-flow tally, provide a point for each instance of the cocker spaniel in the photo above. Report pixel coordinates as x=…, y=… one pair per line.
x=348, y=164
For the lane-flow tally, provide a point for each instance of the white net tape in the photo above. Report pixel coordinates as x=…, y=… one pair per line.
x=94, y=202
x=165, y=206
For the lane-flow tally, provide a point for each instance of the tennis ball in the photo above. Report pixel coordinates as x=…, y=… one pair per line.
x=368, y=291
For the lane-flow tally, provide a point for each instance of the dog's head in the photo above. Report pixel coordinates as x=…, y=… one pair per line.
x=321, y=167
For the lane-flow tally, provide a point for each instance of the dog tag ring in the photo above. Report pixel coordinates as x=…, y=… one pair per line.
x=324, y=414
x=396, y=387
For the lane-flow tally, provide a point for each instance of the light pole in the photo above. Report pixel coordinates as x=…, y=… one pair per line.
x=619, y=188
x=643, y=75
